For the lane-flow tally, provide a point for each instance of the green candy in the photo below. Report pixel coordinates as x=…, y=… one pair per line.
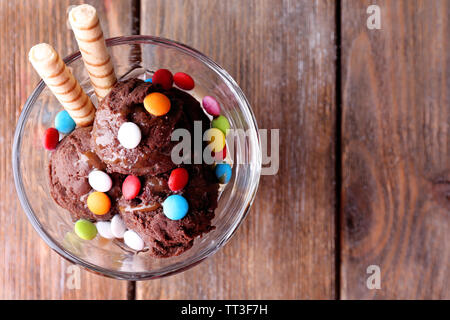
x=85, y=229
x=221, y=123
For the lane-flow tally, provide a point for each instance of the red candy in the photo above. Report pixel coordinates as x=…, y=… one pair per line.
x=184, y=81
x=220, y=156
x=163, y=77
x=50, y=139
x=178, y=179
x=131, y=187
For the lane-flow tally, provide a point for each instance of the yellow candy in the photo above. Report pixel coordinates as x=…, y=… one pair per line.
x=157, y=104
x=99, y=203
x=216, y=139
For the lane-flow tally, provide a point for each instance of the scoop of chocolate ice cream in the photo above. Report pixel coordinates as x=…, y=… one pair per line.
x=167, y=237
x=123, y=104
x=98, y=147
x=69, y=167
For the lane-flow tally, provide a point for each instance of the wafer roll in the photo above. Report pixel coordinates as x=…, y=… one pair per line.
x=86, y=27
x=62, y=83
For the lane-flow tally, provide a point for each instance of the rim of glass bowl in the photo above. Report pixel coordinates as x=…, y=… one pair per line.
x=175, y=268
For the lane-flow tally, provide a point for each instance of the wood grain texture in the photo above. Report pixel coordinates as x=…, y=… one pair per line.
x=282, y=54
x=29, y=268
x=394, y=140
x=396, y=150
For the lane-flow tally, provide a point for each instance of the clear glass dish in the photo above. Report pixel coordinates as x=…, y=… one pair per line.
x=136, y=56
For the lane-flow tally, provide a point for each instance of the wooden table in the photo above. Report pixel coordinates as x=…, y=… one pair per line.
x=364, y=118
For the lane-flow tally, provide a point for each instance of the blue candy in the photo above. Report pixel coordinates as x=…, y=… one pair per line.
x=148, y=80
x=64, y=122
x=175, y=207
x=223, y=172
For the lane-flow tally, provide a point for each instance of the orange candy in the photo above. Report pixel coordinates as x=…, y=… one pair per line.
x=157, y=104
x=99, y=203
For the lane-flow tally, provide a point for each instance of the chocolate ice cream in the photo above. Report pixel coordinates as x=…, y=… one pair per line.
x=69, y=167
x=125, y=104
x=167, y=237
x=97, y=147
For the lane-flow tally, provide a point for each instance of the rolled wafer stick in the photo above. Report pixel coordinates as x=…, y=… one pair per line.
x=62, y=83
x=86, y=27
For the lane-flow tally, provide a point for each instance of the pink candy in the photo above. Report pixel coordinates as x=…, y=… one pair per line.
x=131, y=187
x=211, y=106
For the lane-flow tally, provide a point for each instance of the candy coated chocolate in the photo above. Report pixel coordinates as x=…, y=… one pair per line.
x=64, y=122
x=184, y=81
x=50, y=139
x=163, y=77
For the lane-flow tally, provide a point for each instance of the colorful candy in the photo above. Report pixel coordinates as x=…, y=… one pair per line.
x=223, y=172
x=178, y=179
x=221, y=155
x=85, y=229
x=104, y=229
x=184, y=81
x=64, y=122
x=211, y=106
x=118, y=227
x=50, y=139
x=131, y=187
x=129, y=135
x=221, y=123
x=133, y=240
x=216, y=139
x=157, y=104
x=164, y=78
x=99, y=203
x=175, y=207
x=100, y=181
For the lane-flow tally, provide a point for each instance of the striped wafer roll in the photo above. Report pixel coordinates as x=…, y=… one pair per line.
x=86, y=26
x=62, y=83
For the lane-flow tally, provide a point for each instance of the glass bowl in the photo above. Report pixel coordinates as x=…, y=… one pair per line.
x=136, y=56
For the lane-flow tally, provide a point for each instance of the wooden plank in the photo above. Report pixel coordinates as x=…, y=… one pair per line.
x=29, y=269
x=282, y=54
x=396, y=150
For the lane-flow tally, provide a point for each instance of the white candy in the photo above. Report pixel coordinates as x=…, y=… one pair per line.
x=118, y=227
x=100, y=181
x=104, y=229
x=133, y=240
x=129, y=135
